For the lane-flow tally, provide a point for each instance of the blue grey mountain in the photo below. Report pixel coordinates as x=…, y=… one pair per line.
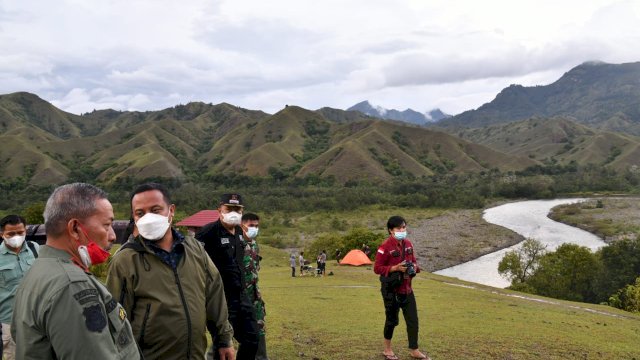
x=600, y=95
x=408, y=115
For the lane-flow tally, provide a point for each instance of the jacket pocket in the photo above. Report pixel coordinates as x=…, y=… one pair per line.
x=8, y=275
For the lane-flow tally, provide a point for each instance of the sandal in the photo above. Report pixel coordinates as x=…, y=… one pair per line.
x=390, y=357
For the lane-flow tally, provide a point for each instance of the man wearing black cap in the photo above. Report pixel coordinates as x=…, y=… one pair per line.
x=224, y=243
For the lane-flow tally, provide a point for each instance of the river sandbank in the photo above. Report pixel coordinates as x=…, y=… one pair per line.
x=611, y=219
x=456, y=237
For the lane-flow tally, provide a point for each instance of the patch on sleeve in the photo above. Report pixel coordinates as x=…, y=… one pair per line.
x=123, y=338
x=86, y=295
x=381, y=251
x=110, y=306
x=94, y=318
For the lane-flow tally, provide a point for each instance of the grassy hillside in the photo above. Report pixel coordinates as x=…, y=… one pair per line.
x=341, y=317
x=559, y=140
x=189, y=142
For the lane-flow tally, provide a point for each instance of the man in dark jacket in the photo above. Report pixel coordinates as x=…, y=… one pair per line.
x=224, y=242
x=168, y=285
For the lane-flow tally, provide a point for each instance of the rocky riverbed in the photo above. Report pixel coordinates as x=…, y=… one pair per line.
x=456, y=237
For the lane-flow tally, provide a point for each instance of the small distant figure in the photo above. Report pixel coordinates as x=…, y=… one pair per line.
x=292, y=261
x=366, y=250
x=301, y=262
x=323, y=262
x=338, y=255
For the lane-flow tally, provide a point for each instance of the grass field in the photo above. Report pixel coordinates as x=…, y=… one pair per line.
x=341, y=317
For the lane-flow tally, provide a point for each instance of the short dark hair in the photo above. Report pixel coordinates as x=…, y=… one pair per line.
x=12, y=220
x=148, y=187
x=250, y=217
x=395, y=221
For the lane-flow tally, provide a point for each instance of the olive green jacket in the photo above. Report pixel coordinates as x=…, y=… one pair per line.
x=169, y=308
x=61, y=312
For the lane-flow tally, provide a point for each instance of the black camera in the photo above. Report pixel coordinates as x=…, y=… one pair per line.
x=411, y=269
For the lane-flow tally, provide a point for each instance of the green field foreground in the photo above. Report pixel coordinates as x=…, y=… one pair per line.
x=341, y=317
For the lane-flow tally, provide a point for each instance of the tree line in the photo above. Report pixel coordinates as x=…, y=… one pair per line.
x=282, y=191
x=610, y=275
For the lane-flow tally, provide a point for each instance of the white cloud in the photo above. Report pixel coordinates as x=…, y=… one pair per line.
x=150, y=54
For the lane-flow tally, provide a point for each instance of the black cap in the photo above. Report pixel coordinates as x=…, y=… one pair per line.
x=231, y=200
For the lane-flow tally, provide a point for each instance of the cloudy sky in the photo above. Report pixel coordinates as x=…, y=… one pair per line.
x=421, y=54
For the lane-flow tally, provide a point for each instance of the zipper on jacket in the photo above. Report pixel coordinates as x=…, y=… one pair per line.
x=123, y=292
x=186, y=312
x=144, y=325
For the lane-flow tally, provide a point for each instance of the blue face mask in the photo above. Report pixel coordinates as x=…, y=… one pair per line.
x=252, y=232
x=400, y=235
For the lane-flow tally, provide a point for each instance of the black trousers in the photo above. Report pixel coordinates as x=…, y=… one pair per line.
x=245, y=328
x=392, y=304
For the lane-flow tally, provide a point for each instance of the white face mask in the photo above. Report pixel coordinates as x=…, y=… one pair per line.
x=84, y=255
x=153, y=226
x=252, y=232
x=232, y=218
x=15, y=241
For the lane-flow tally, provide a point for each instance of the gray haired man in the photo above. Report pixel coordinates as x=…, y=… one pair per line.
x=61, y=310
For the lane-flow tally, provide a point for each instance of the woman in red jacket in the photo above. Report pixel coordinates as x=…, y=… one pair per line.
x=396, y=264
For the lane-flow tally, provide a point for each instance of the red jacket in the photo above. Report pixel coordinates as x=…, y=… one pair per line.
x=390, y=254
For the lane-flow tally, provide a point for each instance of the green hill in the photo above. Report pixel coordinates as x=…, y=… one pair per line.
x=559, y=140
x=47, y=146
x=341, y=317
x=597, y=94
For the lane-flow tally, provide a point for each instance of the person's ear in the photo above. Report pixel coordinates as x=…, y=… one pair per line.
x=73, y=229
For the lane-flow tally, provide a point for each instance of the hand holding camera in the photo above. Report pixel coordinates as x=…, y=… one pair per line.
x=411, y=268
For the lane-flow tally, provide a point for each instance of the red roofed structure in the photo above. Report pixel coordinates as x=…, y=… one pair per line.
x=199, y=219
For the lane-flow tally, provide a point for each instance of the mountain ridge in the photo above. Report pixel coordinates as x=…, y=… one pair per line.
x=200, y=139
x=596, y=94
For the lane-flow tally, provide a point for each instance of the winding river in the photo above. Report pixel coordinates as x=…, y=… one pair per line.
x=529, y=219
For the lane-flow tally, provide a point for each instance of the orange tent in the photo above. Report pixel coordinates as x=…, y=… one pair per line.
x=355, y=257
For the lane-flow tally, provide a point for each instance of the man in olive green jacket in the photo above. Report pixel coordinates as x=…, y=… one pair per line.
x=61, y=310
x=168, y=285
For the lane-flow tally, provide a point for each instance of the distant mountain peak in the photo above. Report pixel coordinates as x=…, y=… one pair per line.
x=408, y=115
x=595, y=93
x=594, y=63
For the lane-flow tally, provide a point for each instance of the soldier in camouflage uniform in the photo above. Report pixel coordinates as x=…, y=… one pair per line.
x=250, y=225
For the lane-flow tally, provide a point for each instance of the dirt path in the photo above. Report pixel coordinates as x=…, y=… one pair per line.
x=458, y=236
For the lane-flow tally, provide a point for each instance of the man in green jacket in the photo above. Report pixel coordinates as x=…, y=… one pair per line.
x=61, y=310
x=168, y=284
